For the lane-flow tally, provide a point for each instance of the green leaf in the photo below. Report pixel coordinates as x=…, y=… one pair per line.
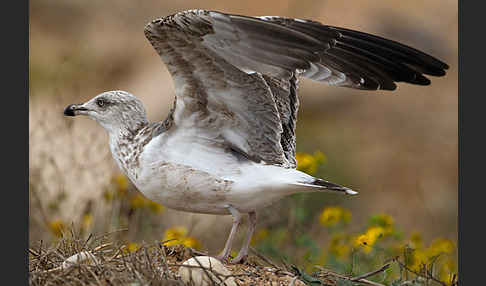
x=306, y=278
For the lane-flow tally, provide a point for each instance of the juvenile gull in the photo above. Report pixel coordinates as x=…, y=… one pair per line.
x=228, y=144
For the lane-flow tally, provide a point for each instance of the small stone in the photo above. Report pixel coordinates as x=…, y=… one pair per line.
x=84, y=257
x=289, y=280
x=199, y=276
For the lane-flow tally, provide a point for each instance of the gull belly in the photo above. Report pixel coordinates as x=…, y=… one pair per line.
x=185, y=188
x=207, y=180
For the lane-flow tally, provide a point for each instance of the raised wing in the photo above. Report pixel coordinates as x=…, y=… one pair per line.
x=235, y=109
x=278, y=46
x=237, y=75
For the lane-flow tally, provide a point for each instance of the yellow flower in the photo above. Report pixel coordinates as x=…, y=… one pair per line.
x=259, y=236
x=57, y=227
x=191, y=242
x=309, y=163
x=121, y=183
x=339, y=245
x=87, y=221
x=440, y=246
x=369, y=238
x=419, y=258
x=178, y=235
x=363, y=242
x=174, y=234
x=416, y=240
x=138, y=201
x=131, y=247
x=108, y=195
x=447, y=269
x=155, y=207
x=376, y=232
x=423, y=256
x=385, y=221
x=331, y=216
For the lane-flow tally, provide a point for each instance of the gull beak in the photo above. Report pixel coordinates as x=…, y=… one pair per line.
x=75, y=109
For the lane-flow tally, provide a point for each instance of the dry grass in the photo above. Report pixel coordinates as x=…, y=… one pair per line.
x=157, y=264
x=150, y=264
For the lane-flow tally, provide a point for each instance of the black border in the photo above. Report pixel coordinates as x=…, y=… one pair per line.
x=471, y=148
x=470, y=91
x=15, y=141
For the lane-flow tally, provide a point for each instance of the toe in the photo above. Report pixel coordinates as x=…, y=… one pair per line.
x=239, y=259
x=223, y=258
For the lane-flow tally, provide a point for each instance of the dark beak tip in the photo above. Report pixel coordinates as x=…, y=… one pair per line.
x=69, y=110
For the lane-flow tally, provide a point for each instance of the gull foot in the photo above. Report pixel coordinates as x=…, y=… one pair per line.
x=223, y=258
x=239, y=259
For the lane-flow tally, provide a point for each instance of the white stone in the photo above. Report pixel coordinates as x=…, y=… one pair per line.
x=200, y=277
x=84, y=257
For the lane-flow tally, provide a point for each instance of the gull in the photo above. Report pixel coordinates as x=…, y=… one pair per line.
x=227, y=146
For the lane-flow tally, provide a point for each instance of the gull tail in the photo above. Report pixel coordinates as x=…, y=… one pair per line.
x=320, y=184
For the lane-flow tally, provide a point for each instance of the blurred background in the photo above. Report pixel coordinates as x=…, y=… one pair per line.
x=398, y=149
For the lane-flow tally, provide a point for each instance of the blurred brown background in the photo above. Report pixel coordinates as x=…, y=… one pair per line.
x=398, y=149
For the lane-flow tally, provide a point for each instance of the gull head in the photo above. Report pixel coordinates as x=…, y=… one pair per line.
x=117, y=111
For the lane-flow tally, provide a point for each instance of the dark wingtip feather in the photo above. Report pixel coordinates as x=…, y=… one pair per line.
x=333, y=187
x=380, y=62
x=421, y=80
x=391, y=86
x=425, y=61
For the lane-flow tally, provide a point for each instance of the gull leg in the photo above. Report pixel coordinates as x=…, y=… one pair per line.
x=223, y=256
x=251, y=229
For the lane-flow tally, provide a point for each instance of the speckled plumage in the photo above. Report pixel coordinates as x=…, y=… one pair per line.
x=127, y=147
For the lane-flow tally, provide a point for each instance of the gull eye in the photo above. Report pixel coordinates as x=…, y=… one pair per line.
x=100, y=102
